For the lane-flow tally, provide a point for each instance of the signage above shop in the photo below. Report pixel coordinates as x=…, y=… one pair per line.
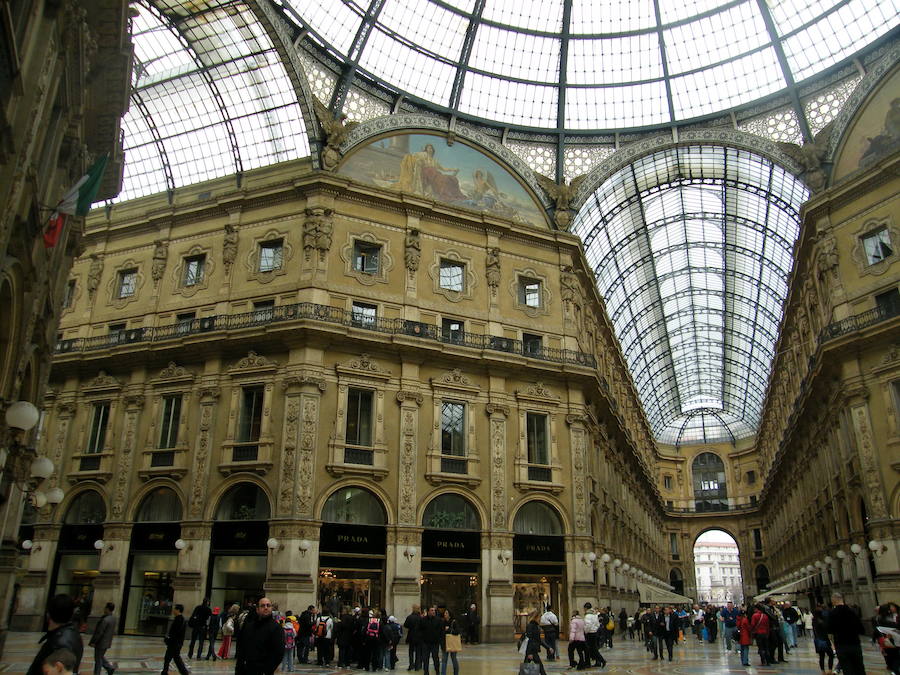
x=155, y=536
x=79, y=537
x=245, y=535
x=461, y=544
x=349, y=539
x=539, y=548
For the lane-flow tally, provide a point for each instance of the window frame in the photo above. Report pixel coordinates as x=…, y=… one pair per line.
x=96, y=440
x=450, y=285
x=127, y=275
x=354, y=417
x=880, y=241
x=357, y=261
x=277, y=247
x=244, y=433
x=523, y=293
x=189, y=280
x=361, y=318
x=529, y=340
x=531, y=451
x=460, y=438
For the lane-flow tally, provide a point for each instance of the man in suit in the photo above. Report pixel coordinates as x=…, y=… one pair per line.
x=102, y=640
x=174, y=641
x=652, y=626
x=666, y=630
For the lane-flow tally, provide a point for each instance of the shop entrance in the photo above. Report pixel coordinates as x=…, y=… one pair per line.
x=534, y=593
x=349, y=588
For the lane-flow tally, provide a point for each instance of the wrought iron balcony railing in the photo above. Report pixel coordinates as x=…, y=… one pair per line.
x=326, y=314
x=859, y=321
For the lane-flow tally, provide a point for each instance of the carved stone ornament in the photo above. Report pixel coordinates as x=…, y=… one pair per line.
x=561, y=194
x=160, y=256
x=413, y=250
x=303, y=380
x=810, y=157
x=335, y=128
x=537, y=390
x=318, y=230
x=175, y=372
x=454, y=376
x=364, y=364
x=492, y=269
x=253, y=361
x=229, y=246
x=404, y=395
x=95, y=272
x=496, y=409
x=103, y=381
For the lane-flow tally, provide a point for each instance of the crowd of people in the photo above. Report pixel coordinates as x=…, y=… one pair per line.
x=263, y=638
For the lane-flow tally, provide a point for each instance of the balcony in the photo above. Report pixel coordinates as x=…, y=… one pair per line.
x=252, y=456
x=441, y=469
x=91, y=466
x=164, y=463
x=540, y=473
x=545, y=477
x=860, y=321
x=325, y=314
x=723, y=506
x=355, y=460
x=353, y=455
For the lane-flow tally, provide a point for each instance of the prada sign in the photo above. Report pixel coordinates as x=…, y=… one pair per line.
x=243, y=535
x=461, y=544
x=155, y=536
x=79, y=537
x=350, y=539
x=539, y=548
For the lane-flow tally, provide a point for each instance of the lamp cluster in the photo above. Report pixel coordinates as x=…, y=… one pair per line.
x=590, y=558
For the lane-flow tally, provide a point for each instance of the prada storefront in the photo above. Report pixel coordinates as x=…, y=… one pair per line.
x=238, y=554
x=539, y=563
x=451, y=554
x=77, y=561
x=352, y=550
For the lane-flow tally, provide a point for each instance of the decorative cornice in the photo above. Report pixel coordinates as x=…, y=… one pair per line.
x=405, y=395
x=496, y=409
x=208, y=393
x=103, y=381
x=303, y=380
x=538, y=390
x=175, y=372
x=253, y=361
x=365, y=365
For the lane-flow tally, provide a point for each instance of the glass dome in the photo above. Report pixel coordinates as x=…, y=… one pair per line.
x=592, y=64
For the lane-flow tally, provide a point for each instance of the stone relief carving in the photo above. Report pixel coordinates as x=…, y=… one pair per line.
x=364, y=364
x=229, y=247
x=561, y=194
x=253, y=360
x=95, y=271
x=126, y=455
x=409, y=409
x=208, y=397
x=307, y=455
x=413, y=251
x=868, y=463
x=160, y=256
x=336, y=129
x=174, y=371
x=810, y=157
x=103, y=381
x=498, y=473
x=492, y=270
x=288, y=452
x=579, y=471
x=318, y=229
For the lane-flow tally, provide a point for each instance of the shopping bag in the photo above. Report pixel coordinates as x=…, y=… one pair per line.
x=453, y=643
x=704, y=634
x=523, y=646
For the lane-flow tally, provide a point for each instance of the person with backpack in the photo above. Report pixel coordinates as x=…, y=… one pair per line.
x=324, y=635
x=371, y=642
x=228, y=626
x=307, y=620
x=395, y=632
x=290, y=638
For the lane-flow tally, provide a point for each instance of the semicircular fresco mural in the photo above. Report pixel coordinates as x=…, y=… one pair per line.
x=458, y=174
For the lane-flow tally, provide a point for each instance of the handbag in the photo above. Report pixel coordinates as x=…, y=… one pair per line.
x=523, y=646
x=453, y=643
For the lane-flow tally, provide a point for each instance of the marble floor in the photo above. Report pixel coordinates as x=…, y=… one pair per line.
x=144, y=655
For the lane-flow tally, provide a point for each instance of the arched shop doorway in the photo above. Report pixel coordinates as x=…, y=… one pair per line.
x=717, y=565
x=352, y=550
x=238, y=554
x=539, y=563
x=77, y=561
x=676, y=581
x=152, y=564
x=451, y=554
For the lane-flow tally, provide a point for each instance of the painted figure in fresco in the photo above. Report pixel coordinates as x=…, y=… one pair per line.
x=887, y=140
x=422, y=173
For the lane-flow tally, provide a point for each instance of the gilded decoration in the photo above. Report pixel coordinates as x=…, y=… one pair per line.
x=468, y=281
x=459, y=174
x=385, y=259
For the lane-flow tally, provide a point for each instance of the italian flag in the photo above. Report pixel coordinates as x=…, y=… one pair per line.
x=76, y=202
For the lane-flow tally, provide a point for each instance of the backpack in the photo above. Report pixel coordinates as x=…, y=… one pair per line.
x=289, y=635
x=372, y=628
x=228, y=626
x=321, y=628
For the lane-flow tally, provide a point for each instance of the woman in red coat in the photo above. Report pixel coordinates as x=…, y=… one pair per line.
x=759, y=627
x=745, y=639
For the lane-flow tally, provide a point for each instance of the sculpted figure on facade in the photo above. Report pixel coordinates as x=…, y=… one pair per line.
x=318, y=230
x=492, y=269
x=229, y=246
x=413, y=252
x=810, y=156
x=562, y=194
x=160, y=254
x=336, y=129
x=94, y=273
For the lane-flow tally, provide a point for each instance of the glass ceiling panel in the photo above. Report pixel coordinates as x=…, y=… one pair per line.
x=695, y=276
x=720, y=54
x=211, y=97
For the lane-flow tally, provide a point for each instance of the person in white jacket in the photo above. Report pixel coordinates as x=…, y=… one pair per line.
x=592, y=637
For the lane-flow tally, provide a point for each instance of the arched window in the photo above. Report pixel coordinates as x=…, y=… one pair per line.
x=676, y=580
x=710, y=492
x=244, y=501
x=87, y=508
x=537, y=518
x=451, y=512
x=354, y=505
x=762, y=578
x=160, y=506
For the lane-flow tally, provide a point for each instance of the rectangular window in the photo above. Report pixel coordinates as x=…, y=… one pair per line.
x=168, y=436
x=453, y=428
x=667, y=482
x=452, y=275
x=193, y=269
x=263, y=310
x=757, y=540
x=183, y=322
x=99, y=421
x=877, y=246
x=751, y=477
x=529, y=292
x=127, y=283
x=364, y=315
x=359, y=417
x=673, y=543
x=69, y=296
x=116, y=332
x=536, y=435
x=271, y=255
x=532, y=345
x=366, y=257
x=888, y=302
x=251, y=414
x=452, y=330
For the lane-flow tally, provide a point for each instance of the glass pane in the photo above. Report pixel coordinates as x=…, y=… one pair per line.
x=453, y=428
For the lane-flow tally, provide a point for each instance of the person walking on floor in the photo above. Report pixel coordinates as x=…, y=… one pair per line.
x=743, y=636
x=666, y=632
x=759, y=628
x=450, y=643
x=413, y=626
x=576, y=642
x=534, y=644
x=102, y=639
x=174, y=641
x=822, y=641
x=845, y=625
x=228, y=626
x=729, y=614
x=592, y=637
x=199, y=624
x=550, y=625
x=62, y=633
x=213, y=626
x=260, y=642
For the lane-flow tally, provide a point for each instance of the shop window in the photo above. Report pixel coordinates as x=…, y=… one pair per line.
x=271, y=255
x=536, y=517
x=877, y=246
x=532, y=345
x=359, y=417
x=193, y=270
x=366, y=257
x=99, y=420
x=127, y=283
x=69, y=297
x=536, y=436
x=355, y=506
x=451, y=512
x=244, y=501
x=251, y=414
x=453, y=330
x=160, y=506
x=452, y=275
x=171, y=415
x=529, y=292
x=364, y=315
x=453, y=428
x=88, y=508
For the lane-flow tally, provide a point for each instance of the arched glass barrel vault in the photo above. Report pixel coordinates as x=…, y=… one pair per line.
x=692, y=248
x=451, y=553
x=238, y=553
x=352, y=550
x=539, y=563
x=152, y=563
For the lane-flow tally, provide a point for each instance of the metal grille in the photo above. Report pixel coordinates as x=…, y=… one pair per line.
x=359, y=456
x=540, y=473
x=452, y=465
x=244, y=453
x=165, y=458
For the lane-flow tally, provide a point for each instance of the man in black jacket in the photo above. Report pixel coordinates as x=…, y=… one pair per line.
x=432, y=635
x=413, y=625
x=846, y=627
x=665, y=631
x=174, y=641
x=61, y=633
x=260, y=643
x=199, y=624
